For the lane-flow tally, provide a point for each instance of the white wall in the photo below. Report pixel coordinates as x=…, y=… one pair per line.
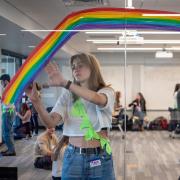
x=159, y=83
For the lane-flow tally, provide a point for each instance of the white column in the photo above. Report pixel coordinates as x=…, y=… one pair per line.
x=137, y=79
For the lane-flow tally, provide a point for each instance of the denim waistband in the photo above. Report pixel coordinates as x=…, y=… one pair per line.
x=80, y=150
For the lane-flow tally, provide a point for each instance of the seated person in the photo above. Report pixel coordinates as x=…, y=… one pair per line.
x=25, y=116
x=18, y=131
x=34, y=121
x=44, y=146
x=139, y=110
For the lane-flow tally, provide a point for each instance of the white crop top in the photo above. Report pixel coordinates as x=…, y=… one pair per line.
x=100, y=117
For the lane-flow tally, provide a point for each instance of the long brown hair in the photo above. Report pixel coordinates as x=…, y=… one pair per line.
x=96, y=80
x=177, y=87
x=24, y=109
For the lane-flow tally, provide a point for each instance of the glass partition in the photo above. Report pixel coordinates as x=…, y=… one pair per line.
x=10, y=65
x=152, y=55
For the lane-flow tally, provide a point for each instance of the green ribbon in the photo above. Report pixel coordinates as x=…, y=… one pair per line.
x=79, y=110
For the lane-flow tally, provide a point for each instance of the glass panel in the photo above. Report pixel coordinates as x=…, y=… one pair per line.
x=9, y=65
x=153, y=60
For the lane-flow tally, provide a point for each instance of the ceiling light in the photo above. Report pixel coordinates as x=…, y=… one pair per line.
x=158, y=32
x=51, y=30
x=137, y=49
x=102, y=41
x=61, y=30
x=3, y=34
x=31, y=46
x=132, y=40
x=123, y=31
x=128, y=49
x=161, y=15
x=98, y=31
x=161, y=41
x=104, y=32
x=164, y=54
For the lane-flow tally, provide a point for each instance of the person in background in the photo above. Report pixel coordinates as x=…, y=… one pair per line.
x=85, y=105
x=34, y=117
x=8, y=115
x=25, y=116
x=117, y=104
x=34, y=121
x=177, y=97
x=139, y=108
x=175, y=113
x=43, y=149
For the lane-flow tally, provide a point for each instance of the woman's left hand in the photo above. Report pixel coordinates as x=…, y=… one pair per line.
x=55, y=76
x=18, y=114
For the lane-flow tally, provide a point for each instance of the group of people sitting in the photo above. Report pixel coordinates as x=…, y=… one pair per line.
x=46, y=145
x=138, y=105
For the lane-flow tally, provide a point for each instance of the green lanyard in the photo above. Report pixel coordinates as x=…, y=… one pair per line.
x=6, y=109
x=79, y=110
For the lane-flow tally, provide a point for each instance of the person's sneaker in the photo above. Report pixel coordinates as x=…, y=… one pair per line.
x=9, y=154
x=2, y=152
x=27, y=137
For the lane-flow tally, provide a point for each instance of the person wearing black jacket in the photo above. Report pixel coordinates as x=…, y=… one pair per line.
x=139, y=107
x=177, y=102
x=177, y=97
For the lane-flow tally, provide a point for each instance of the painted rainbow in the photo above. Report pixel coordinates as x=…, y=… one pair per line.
x=96, y=18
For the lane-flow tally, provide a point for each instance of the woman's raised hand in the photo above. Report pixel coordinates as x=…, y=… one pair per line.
x=55, y=76
x=32, y=92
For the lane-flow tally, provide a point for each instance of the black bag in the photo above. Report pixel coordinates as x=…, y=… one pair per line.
x=172, y=125
x=44, y=162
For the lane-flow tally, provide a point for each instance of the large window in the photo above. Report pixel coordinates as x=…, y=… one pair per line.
x=10, y=62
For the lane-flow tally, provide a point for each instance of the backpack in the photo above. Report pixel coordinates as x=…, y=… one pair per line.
x=164, y=123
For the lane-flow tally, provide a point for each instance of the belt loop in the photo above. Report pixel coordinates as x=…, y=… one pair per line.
x=96, y=151
x=80, y=150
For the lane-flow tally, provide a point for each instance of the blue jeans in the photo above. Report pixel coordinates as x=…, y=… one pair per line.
x=78, y=166
x=7, y=130
x=34, y=123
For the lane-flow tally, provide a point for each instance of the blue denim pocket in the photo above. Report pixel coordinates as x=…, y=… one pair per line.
x=72, y=165
x=105, y=156
x=68, y=152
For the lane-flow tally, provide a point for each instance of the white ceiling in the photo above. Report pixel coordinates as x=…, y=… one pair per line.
x=46, y=14
x=15, y=40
